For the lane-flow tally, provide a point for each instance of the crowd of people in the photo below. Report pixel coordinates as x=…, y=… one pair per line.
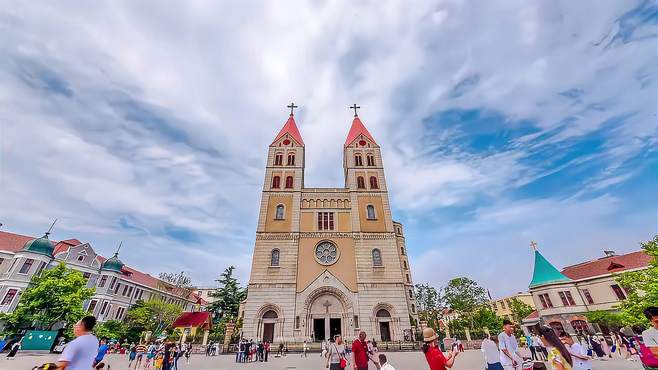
x=250, y=351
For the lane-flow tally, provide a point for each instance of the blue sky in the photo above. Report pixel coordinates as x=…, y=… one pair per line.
x=500, y=123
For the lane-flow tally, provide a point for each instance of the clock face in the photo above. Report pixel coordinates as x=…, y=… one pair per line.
x=326, y=253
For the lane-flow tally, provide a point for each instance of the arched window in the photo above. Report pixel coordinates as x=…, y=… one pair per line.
x=274, y=258
x=413, y=308
x=276, y=182
x=370, y=159
x=376, y=257
x=360, y=183
x=289, y=182
x=358, y=160
x=402, y=251
x=408, y=278
x=291, y=159
x=279, y=212
x=405, y=265
x=270, y=315
x=370, y=212
x=382, y=312
x=278, y=159
x=373, y=182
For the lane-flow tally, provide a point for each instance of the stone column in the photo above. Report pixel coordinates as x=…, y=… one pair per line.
x=205, y=336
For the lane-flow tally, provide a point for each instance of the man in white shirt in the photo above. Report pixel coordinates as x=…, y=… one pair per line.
x=650, y=336
x=383, y=364
x=80, y=353
x=578, y=353
x=509, y=347
x=491, y=353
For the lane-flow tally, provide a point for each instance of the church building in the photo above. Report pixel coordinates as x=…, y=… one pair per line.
x=328, y=261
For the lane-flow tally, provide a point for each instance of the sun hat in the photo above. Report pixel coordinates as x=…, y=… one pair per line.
x=429, y=335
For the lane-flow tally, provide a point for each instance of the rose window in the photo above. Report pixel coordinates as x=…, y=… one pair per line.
x=326, y=253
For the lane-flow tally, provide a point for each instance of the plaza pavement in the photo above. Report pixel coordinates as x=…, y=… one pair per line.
x=469, y=360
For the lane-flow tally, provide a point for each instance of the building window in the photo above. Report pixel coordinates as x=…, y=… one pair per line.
x=297, y=322
x=411, y=293
x=402, y=250
x=130, y=292
x=116, y=288
x=291, y=159
x=81, y=257
x=619, y=292
x=376, y=257
x=103, y=308
x=356, y=321
x=545, y=301
x=325, y=220
x=119, y=313
x=370, y=159
x=404, y=263
x=278, y=159
x=279, y=212
x=358, y=160
x=274, y=258
x=26, y=266
x=114, y=280
x=86, y=275
x=370, y=212
x=588, y=296
x=137, y=291
x=42, y=265
x=360, y=183
x=276, y=182
x=9, y=297
x=408, y=278
x=125, y=290
x=413, y=308
x=102, y=282
x=566, y=298
x=92, y=306
x=289, y=182
x=373, y=182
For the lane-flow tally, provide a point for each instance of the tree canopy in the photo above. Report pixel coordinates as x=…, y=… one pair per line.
x=55, y=295
x=227, y=296
x=520, y=310
x=464, y=296
x=154, y=316
x=641, y=287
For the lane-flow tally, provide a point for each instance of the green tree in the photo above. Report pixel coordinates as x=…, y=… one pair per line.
x=520, y=310
x=464, y=296
x=430, y=305
x=111, y=329
x=642, y=287
x=55, y=295
x=613, y=320
x=227, y=296
x=154, y=316
x=179, y=284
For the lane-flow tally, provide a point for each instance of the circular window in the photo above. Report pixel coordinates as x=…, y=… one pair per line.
x=362, y=143
x=286, y=142
x=326, y=253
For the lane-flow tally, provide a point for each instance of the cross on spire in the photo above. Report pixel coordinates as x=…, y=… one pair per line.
x=355, y=107
x=533, y=244
x=292, y=107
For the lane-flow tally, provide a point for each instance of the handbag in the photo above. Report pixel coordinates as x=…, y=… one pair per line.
x=343, y=361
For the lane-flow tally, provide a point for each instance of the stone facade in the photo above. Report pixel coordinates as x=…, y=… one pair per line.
x=328, y=260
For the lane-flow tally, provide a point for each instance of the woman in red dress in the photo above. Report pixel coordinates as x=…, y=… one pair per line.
x=433, y=354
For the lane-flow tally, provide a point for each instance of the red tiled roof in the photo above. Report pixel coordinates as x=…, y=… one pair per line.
x=358, y=129
x=290, y=128
x=533, y=315
x=13, y=242
x=192, y=319
x=607, y=265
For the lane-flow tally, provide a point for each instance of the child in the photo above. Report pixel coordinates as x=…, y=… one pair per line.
x=157, y=363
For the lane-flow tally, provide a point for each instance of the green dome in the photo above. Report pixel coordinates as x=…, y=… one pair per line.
x=113, y=264
x=40, y=245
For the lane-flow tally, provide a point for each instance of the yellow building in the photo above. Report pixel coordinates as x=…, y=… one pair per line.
x=502, y=306
x=327, y=260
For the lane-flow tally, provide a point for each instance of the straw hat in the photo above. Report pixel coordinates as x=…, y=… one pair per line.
x=429, y=335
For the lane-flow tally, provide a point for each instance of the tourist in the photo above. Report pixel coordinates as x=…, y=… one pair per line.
x=304, y=349
x=460, y=346
x=491, y=353
x=261, y=352
x=531, y=347
x=14, y=349
x=581, y=361
x=208, y=347
x=360, y=352
x=540, y=350
x=80, y=353
x=373, y=355
x=649, y=340
x=267, y=350
x=509, y=347
x=188, y=353
x=383, y=363
x=132, y=354
x=102, y=351
x=435, y=358
x=140, y=349
x=158, y=363
x=558, y=355
x=323, y=352
x=336, y=354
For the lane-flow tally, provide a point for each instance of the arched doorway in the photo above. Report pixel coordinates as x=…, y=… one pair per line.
x=269, y=320
x=327, y=312
x=384, y=319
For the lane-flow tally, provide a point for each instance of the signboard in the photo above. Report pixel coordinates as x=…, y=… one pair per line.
x=37, y=340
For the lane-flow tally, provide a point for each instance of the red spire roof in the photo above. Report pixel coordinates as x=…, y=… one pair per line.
x=290, y=128
x=358, y=129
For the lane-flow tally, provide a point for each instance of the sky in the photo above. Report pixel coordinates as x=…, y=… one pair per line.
x=500, y=123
